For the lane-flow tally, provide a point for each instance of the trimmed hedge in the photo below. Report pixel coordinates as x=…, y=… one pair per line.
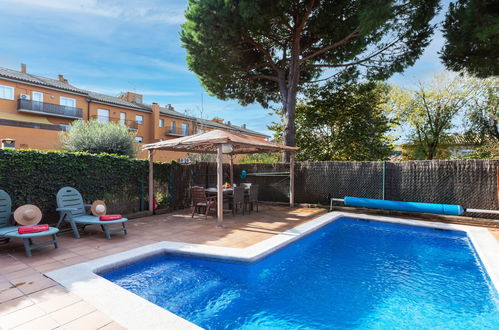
x=33, y=176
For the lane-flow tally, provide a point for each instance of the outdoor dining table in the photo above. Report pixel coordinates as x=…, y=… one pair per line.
x=212, y=191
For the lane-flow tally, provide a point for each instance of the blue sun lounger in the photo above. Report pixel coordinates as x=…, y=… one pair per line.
x=7, y=231
x=72, y=209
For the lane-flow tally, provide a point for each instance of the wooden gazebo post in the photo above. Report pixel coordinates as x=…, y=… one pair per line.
x=151, y=180
x=231, y=171
x=220, y=197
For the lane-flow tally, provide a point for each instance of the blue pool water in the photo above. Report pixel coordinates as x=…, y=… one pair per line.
x=350, y=274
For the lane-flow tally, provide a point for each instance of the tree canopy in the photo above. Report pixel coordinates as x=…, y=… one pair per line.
x=264, y=51
x=471, y=28
x=343, y=120
x=483, y=114
x=99, y=137
x=429, y=110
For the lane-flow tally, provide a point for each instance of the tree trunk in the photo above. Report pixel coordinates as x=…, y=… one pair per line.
x=288, y=97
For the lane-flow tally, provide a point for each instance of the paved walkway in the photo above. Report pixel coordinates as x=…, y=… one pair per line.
x=29, y=300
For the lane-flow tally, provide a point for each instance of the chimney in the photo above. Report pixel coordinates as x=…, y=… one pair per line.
x=62, y=79
x=23, y=68
x=243, y=126
x=228, y=123
x=155, y=121
x=169, y=107
x=131, y=97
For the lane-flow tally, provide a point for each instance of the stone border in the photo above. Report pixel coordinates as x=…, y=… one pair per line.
x=135, y=312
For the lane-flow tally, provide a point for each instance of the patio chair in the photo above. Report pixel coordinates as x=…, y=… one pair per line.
x=72, y=210
x=237, y=200
x=8, y=231
x=252, y=197
x=200, y=201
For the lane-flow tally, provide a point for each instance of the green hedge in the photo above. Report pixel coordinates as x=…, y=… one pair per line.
x=32, y=176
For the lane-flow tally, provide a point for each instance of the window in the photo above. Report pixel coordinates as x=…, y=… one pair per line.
x=139, y=119
x=37, y=100
x=172, y=127
x=185, y=129
x=103, y=115
x=200, y=130
x=138, y=100
x=122, y=117
x=161, y=123
x=6, y=92
x=138, y=139
x=37, y=96
x=68, y=102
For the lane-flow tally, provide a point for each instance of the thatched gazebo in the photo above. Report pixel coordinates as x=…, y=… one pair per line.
x=220, y=142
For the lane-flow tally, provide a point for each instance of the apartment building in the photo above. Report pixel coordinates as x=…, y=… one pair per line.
x=34, y=110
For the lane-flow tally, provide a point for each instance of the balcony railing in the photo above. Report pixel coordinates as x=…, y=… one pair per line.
x=178, y=131
x=132, y=124
x=49, y=109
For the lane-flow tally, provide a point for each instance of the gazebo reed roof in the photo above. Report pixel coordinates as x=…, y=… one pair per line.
x=208, y=143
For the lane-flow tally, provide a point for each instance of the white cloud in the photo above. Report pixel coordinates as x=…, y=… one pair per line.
x=146, y=11
x=116, y=91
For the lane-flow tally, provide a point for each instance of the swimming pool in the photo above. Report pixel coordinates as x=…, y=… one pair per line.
x=351, y=273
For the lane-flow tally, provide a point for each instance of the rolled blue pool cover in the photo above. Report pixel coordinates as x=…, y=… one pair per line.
x=448, y=209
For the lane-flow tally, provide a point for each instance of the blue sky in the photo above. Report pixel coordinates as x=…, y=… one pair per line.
x=111, y=46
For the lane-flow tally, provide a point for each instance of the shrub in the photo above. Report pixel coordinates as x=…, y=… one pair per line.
x=97, y=137
x=33, y=176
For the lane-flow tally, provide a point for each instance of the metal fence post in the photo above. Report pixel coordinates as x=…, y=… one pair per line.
x=384, y=180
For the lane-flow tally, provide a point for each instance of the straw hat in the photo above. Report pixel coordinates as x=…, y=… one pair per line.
x=27, y=215
x=98, y=208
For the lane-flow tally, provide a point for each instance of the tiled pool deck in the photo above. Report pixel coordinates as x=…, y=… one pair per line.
x=29, y=300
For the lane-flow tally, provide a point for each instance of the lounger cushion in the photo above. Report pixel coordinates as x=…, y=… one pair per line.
x=93, y=220
x=11, y=231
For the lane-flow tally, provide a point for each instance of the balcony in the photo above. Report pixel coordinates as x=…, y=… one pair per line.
x=132, y=124
x=49, y=109
x=178, y=131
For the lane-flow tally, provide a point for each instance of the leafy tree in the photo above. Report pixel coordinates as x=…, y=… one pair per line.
x=343, y=120
x=471, y=28
x=267, y=158
x=97, y=137
x=264, y=51
x=483, y=114
x=430, y=110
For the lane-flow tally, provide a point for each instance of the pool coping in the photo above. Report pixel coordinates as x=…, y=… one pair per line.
x=135, y=312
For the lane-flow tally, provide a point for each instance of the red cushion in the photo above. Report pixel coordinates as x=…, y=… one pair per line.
x=32, y=229
x=110, y=217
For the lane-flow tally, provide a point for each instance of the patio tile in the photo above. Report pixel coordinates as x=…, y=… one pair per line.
x=21, y=273
x=74, y=261
x=41, y=323
x=72, y=312
x=65, y=255
x=15, y=305
x=93, y=320
x=21, y=316
x=14, y=267
x=9, y=294
x=49, y=266
x=112, y=326
x=53, y=298
x=32, y=284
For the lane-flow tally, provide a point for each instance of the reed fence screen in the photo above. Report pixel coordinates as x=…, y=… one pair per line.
x=470, y=183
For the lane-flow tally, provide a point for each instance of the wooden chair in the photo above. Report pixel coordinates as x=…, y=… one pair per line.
x=237, y=200
x=252, y=197
x=200, y=201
